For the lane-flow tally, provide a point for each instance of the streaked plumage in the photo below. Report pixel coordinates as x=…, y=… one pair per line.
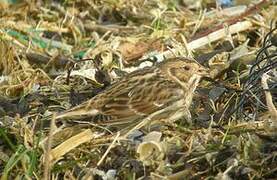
x=168, y=86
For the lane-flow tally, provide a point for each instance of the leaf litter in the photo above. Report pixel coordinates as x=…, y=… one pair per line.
x=57, y=54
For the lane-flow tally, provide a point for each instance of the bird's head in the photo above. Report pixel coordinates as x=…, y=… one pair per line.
x=186, y=72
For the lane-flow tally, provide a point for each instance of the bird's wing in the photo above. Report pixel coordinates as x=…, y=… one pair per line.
x=128, y=100
x=154, y=96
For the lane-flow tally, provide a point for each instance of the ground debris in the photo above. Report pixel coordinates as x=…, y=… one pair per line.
x=57, y=54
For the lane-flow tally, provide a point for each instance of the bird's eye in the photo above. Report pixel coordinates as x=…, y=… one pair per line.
x=187, y=68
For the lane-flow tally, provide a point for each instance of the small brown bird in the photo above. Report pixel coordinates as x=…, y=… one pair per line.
x=163, y=91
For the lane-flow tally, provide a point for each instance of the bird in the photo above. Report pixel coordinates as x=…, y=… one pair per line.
x=162, y=91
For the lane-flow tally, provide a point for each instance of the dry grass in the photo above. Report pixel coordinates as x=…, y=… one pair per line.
x=56, y=54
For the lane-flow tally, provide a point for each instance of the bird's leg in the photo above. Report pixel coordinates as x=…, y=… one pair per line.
x=181, y=113
x=187, y=115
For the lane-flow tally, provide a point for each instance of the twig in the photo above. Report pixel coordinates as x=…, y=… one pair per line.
x=233, y=20
x=108, y=150
x=272, y=122
x=70, y=144
x=180, y=174
x=212, y=37
x=47, y=159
